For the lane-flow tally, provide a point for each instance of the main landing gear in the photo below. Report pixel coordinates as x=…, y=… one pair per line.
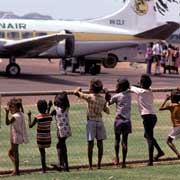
x=12, y=68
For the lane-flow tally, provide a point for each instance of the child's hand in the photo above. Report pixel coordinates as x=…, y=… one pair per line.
x=77, y=90
x=105, y=90
x=50, y=103
x=29, y=113
x=107, y=95
x=168, y=97
x=7, y=110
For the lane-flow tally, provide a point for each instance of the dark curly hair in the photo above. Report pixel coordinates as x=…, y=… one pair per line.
x=145, y=81
x=175, y=96
x=15, y=102
x=61, y=100
x=42, y=106
x=96, y=86
x=122, y=85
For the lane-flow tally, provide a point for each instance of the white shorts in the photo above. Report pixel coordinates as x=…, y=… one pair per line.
x=175, y=133
x=95, y=129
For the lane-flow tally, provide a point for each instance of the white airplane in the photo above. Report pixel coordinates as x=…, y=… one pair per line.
x=133, y=24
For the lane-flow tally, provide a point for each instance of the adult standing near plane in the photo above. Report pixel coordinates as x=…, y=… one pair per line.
x=157, y=51
x=149, y=57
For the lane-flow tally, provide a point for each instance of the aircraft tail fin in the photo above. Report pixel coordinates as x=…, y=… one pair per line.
x=162, y=32
x=136, y=15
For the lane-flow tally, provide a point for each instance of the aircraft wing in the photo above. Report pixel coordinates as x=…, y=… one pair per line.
x=32, y=46
x=162, y=32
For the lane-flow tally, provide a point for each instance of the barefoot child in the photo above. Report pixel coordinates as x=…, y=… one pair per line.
x=174, y=108
x=43, y=121
x=122, y=123
x=61, y=112
x=18, y=134
x=95, y=126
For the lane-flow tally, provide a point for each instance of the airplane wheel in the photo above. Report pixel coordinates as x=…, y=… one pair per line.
x=13, y=69
x=110, y=61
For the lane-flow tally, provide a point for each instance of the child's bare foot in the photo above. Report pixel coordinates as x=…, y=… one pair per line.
x=116, y=161
x=57, y=167
x=14, y=173
x=90, y=168
x=150, y=164
x=99, y=165
x=160, y=154
x=123, y=165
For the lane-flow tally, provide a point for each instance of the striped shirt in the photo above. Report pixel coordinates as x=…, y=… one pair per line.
x=44, y=130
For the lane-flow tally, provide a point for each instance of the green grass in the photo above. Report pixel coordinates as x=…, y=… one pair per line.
x=160, y=172
x=77, y=148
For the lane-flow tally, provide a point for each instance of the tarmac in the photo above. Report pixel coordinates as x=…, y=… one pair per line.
x=40, y=75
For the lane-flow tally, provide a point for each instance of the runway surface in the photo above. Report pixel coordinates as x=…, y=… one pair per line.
x=40, y=75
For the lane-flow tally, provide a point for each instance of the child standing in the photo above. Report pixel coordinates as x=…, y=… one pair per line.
x=145, y=103
x=95, y=126
x=174, y=108
x=18, y=133
x=43, y=120
x=61, y=112
x=122, y=123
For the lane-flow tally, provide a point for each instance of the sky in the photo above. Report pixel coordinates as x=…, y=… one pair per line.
x=62, y=9
x=72, y=9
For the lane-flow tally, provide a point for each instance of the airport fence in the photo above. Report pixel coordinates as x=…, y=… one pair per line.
x=77, y=144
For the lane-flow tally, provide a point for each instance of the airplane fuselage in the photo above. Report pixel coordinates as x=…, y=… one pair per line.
x=89, y=37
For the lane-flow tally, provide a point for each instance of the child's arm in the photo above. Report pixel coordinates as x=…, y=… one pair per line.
x=21, y=108
x=53, y=112
x=30, y=123
x=107, y=96
x=163, y=105
x=49, y=106
x=106, y=108
x=77, y=91
x=9, y=121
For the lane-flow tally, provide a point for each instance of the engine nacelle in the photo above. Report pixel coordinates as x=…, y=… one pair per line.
x=65, y=48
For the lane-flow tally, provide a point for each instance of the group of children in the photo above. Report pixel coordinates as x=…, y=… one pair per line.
x=95, y=129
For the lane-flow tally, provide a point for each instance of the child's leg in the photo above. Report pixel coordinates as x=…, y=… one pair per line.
x=59, y=152
x=43, y=159
x=116, y=147
x=64, y=153
x=90, y=153
x=172, y=146
x=14, y=156
x=100, y=152
x=160, y=152
x=124, y=148
x=148, y=134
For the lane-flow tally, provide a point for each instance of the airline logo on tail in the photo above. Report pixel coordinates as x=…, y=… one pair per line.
x=140, y=7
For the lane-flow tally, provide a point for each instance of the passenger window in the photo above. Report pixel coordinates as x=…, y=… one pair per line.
x=26, y=35
x=13, y=35
x=2, y=35
x=41, y=33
